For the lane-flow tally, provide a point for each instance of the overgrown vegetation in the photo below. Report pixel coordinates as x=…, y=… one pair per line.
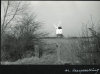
x=88, y=48
x=24, y=35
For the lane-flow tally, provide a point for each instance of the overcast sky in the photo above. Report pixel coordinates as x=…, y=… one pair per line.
x=70, y=13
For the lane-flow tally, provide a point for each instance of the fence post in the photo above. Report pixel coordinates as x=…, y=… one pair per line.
x=40, y=51
x=58, y=51
x=37, y=50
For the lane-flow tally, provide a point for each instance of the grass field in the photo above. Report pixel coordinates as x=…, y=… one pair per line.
x=70, y=52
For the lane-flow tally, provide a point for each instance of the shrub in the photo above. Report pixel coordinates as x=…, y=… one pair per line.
x=89, y=46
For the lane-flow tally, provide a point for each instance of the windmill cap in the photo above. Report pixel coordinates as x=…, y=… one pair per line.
x=59, y=27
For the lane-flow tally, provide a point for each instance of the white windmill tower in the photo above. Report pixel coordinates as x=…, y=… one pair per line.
x=58, y=30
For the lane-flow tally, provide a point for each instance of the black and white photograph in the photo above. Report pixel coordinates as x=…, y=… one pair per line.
x=50, y=33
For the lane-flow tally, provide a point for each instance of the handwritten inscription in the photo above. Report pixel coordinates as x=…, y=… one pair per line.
x=83, y=70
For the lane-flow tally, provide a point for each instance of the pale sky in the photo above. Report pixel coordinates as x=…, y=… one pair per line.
x=70, y=13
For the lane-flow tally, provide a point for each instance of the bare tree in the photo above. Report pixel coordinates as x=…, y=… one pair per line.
x=92, y=44
x=10, y=11
x=30, y=30
x=27, y=23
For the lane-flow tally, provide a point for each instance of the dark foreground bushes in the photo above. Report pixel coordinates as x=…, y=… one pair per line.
x=13, y=48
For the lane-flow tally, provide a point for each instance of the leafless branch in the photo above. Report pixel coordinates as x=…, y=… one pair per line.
x=5, y=17
x=11, y=10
